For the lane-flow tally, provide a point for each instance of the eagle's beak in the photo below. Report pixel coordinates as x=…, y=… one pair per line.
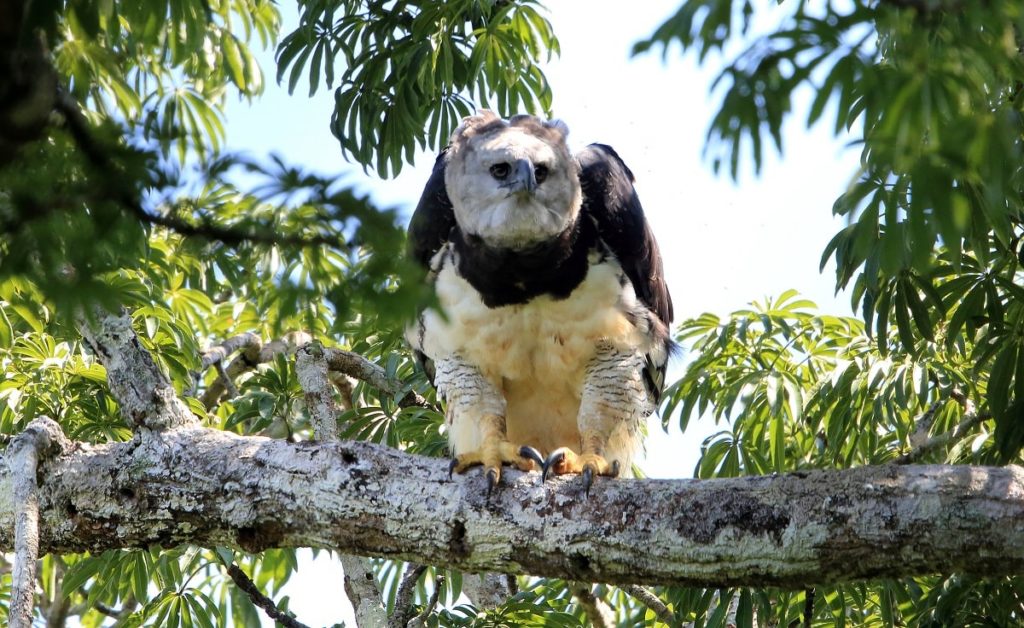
x=522, y=178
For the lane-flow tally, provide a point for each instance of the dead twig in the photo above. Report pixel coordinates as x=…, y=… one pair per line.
x=245, y=583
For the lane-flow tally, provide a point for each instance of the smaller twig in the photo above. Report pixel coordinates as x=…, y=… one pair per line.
x=243, y=582
x=421, y=619
x=217, y=353
x=650, y=600
x=311, y=371
x=969, y=422
x=923, y=423
x=228, y=383
x=808, y=607
x=109, y=611
x=597, y=610
x=57, y=609
x=345, y=386
x=101, y=160
x=732, y=610
x=360, y=368
x=254, y=353
x=403, y=599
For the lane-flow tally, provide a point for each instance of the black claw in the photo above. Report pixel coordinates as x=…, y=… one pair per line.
x=531, y=454
x=492, y=480
x=588, y=479
x=451, y=467
x=615, y=468
x=555, y=458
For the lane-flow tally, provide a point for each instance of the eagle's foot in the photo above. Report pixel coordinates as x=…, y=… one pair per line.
x=492, y=455
x=564, y=460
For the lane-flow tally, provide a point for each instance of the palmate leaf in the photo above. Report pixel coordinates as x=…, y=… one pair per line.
x=407, y=74
x=932, y=97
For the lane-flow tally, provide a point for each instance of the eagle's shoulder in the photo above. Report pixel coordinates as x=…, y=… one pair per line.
x=611, y=201
x=433, y=219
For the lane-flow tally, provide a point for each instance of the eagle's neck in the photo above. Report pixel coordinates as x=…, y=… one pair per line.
x=505, y=276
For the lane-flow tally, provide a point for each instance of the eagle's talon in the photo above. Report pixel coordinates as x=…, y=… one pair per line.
x=564, y=460
x=493, y=453
x=493, y=475
x=532, y=454
x=556, y=459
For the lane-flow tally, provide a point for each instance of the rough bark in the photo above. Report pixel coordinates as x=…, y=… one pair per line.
x=40, y=439
x=360, y=368
x=404, y=597
x=144, y=392
x=488, y=590
x=360, y=583
x=211, y=488
x=651, y=601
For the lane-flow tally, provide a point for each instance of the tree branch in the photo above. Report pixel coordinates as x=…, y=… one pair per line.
x=340, y=362
x=808, y=607
x=357, y=366
x=245, y=583
x=421, y=620
x=360, y=584
x=651, y=601
x=144, y=392
x=41, y=439
x=488, y=590
x=967, y=423
x=253, y=353
x=403, y=599
x=362, y=591
x=208, y=487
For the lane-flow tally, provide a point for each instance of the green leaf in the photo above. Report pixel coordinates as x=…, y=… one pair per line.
x=999, y=379
x=233, y=56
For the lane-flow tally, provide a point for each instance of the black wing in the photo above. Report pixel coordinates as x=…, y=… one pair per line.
x=434, y=217
x=610, y=199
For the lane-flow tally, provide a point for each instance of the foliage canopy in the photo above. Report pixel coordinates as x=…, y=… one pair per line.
x=114, y=190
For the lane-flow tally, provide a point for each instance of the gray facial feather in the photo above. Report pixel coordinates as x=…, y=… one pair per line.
x=486, y=152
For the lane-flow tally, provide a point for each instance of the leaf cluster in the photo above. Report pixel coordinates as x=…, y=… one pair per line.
x=931, y=92
x=407, y=72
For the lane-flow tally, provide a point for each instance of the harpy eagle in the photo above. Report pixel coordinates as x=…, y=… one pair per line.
x=553, y=340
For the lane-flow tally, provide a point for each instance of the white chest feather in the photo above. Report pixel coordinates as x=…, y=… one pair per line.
x=545, y=340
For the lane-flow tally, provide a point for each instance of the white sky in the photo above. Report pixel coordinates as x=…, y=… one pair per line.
x=724, y=244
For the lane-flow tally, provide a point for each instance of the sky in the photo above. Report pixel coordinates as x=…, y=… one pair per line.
x=724, y=243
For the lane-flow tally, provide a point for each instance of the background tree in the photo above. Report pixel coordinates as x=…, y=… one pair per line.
x=114, y=193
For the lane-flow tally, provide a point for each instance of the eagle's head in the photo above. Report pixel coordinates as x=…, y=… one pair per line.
x=513, y=183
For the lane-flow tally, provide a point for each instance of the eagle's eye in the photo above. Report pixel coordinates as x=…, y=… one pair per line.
x=500, y=171
x=540, y=173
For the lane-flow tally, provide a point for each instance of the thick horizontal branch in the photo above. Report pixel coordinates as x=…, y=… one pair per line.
x=214, y=488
